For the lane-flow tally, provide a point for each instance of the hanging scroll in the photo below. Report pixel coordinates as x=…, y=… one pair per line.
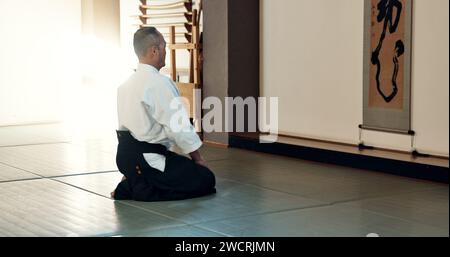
x=387, y=65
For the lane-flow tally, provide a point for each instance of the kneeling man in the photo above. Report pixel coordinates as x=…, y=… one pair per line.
x=145, y=111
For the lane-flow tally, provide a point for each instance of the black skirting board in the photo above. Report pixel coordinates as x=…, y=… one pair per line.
x=359, y=161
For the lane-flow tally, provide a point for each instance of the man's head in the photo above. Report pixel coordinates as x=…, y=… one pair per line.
x=150, y=47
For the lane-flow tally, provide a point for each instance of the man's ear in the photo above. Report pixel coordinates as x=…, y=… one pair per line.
x=154, y=49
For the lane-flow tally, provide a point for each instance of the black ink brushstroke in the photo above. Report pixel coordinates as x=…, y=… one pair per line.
x=385, y=13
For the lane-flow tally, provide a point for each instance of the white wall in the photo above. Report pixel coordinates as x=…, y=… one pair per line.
x=36, y=58
x=312, y=57
x=128, y=8
x=59, y=61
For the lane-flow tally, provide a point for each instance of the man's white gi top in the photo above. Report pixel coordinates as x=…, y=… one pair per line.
x=144, y=108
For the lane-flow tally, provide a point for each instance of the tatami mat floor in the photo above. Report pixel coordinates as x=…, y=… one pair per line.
x=56, y=182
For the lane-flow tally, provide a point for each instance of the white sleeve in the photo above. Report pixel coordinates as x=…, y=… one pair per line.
x=159, y=103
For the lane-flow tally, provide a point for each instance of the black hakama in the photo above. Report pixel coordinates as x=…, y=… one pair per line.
x=181, y=179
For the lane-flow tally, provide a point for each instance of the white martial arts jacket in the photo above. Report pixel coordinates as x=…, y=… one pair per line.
x=143, y=106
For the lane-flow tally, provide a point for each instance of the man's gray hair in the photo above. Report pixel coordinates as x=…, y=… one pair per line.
x=145, y=38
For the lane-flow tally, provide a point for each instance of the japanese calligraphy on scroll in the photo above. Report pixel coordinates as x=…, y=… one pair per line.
x=387, y=46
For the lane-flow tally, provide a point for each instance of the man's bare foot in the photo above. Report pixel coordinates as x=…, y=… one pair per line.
x=114, y=192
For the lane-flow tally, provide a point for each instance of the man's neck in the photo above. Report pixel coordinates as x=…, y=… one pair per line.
x=151, y=64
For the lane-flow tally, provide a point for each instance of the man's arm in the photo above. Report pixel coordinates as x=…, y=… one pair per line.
x=165, y=107
x=195, y=156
